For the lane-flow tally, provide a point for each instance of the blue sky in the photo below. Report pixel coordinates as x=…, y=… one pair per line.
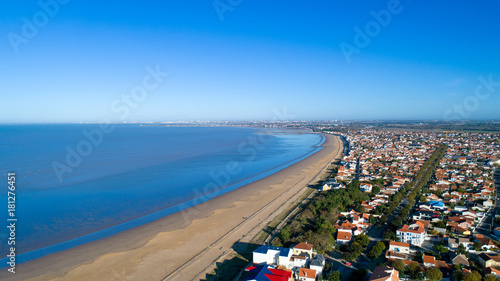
x=255, y=61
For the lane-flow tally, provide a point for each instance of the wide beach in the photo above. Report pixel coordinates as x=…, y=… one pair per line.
x=182, y=246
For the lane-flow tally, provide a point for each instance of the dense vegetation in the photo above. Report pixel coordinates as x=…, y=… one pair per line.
x=421, y=179
x=315, y=224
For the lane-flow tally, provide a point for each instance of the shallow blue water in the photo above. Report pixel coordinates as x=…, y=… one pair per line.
x=78, y=183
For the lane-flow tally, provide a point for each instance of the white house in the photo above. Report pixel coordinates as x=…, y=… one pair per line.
x=414, y=234
x=317, y=263
x=429, y=261
x=272, y=255
x=331, y=184
x=306, y=274
x=399, y=247
x=302, y=248
x=366, y=187
x=488, y=203
x=343, y=237
x=298, y=261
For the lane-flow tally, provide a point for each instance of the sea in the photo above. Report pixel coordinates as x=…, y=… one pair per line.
x=76, y=183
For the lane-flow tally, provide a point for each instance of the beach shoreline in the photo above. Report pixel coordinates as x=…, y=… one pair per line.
x=158, y=249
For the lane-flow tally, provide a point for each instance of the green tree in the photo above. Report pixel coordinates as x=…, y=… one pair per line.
x=382, y=208
x=399, y=265
x=415, y=272
x=322, y=241
x=458, y=275
x=357, y=275
x=334, y=276
x=441, y=249
x=285, y=234
x=372, y=220
x=461, y=202
x=353, y=251
x=472, y=276
x=324, y=226
x=397, y=221
x=389, y=235
x=440, y=224
x=377, y=250
x=355, y=247
x=490, y=277
x=433, y=274
x=383, y=219
x=461, y=250
x=350, y=256
x=359, y=208
x=477, y=246
x=363, y=240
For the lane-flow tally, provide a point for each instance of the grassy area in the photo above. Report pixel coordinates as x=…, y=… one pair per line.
x=261, y=237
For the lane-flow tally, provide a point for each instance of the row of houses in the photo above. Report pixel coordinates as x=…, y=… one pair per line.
x=299, y=262
x=455, y=203
x=461, y=193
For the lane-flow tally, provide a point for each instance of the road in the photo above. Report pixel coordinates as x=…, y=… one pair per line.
x=375, y=235
x=486, y=226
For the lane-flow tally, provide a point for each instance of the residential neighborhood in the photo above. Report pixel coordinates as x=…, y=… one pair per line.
x=398, y=206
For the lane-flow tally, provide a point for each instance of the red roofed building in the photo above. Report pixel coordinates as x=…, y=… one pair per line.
x=429, y=261
x=491, y=270
x=263, y=272
x=343, y=237
x=384, y=273
x=413, y=234
x=399, y=247
x=302, y=248
x=306, y=274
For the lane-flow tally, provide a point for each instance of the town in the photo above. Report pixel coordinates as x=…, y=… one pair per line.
x=398, y=206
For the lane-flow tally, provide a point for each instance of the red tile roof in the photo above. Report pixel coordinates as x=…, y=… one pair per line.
x=429, y=259
x=400, y=244
x=342, y=235
x=406, y=228
x=304, y=246
x=306, y=272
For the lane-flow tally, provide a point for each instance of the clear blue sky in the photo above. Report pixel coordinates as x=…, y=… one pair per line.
x=262, y=61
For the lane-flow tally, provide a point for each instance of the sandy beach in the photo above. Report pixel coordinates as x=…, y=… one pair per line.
x=183, y=246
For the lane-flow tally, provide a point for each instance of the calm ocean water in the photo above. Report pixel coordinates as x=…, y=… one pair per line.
x=71, y=191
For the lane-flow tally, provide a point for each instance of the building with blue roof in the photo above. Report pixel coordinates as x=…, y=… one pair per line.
x=436, y=204
x=272, y=255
